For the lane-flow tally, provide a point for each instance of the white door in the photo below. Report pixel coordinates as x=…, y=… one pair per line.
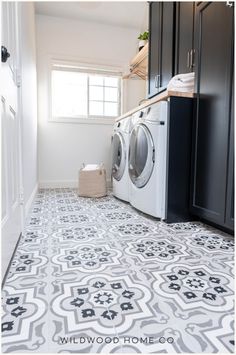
x=11, y=219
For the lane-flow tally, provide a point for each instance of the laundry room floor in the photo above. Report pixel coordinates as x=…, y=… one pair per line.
x=95, y=275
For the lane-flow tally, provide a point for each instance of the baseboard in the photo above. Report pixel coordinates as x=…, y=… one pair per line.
x=9, y=264
x=30, y=200
x=52, y=184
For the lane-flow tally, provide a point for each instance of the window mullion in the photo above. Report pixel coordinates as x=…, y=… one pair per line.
x=119, y=97
x=88, y=113
x=103, y=96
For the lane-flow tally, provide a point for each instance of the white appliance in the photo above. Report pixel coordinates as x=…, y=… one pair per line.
x=120, y=150
x=148, y=159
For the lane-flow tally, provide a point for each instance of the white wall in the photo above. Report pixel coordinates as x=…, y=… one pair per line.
x=63, y=147
x=29, y=101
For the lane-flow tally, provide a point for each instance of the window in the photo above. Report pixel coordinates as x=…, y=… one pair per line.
x=82, y=93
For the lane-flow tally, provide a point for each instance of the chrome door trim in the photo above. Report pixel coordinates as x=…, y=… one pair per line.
x=141, y=180
x=118, y=171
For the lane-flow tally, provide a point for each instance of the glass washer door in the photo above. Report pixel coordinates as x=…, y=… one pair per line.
x=141, y=155
x=118, y=156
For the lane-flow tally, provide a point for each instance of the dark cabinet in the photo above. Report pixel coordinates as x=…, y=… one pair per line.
x=184, y=41
x=212, y=197
x=161, y=46
x=154, y=44
x=229, y=215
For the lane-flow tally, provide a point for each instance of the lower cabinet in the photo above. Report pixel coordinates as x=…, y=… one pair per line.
x=212, y=180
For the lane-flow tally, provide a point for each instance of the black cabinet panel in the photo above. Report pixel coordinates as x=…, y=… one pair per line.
x=179, y=159
x=213, y=87
x=184, y=36
x=229, y=215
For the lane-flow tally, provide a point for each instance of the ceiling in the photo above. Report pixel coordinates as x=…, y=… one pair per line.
x=130, y=14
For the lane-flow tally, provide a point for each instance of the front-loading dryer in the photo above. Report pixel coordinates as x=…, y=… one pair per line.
x=120, y=149
x=148, y=160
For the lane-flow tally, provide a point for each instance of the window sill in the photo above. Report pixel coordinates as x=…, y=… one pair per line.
x=104, y=121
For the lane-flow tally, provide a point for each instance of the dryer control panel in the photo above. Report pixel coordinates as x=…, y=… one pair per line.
x=157, y=112
x=123, y=125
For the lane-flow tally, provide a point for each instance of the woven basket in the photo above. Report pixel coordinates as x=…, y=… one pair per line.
x=92, y=183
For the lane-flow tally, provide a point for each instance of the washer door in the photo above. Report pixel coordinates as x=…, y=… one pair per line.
x=141, y=155
x=118, y=156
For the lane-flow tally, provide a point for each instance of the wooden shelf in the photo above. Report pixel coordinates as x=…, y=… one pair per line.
x=139, y=65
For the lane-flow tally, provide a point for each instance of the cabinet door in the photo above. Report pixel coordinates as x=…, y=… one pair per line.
x=184, y=37
x=212, y=112
x=154, y=47
x=161, y=46
x=229, y=214
x=166, y=44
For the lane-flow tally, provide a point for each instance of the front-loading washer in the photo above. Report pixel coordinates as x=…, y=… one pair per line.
x=148, y=160
x=120, y=149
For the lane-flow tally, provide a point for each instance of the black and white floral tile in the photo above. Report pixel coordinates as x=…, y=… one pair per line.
x=96, y=276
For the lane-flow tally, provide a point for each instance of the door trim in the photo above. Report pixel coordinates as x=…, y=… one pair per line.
x=145, y=176
x=118, y=175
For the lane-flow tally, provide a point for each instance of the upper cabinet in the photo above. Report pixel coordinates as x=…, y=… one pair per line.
x=184, y=41
x=212, y=195
x=161, y=46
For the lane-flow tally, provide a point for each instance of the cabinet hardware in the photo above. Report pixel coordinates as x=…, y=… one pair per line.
x=188, y=62
x=192, y=64
x=157, y=81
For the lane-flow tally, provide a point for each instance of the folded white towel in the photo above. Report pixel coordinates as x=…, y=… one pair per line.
x=182, y=82
x=90, y=167
x=184, y=77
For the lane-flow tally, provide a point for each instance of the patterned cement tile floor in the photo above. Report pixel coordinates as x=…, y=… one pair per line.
x=94, y=275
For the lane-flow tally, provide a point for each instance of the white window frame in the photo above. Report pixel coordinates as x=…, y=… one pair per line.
x=87, y=68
